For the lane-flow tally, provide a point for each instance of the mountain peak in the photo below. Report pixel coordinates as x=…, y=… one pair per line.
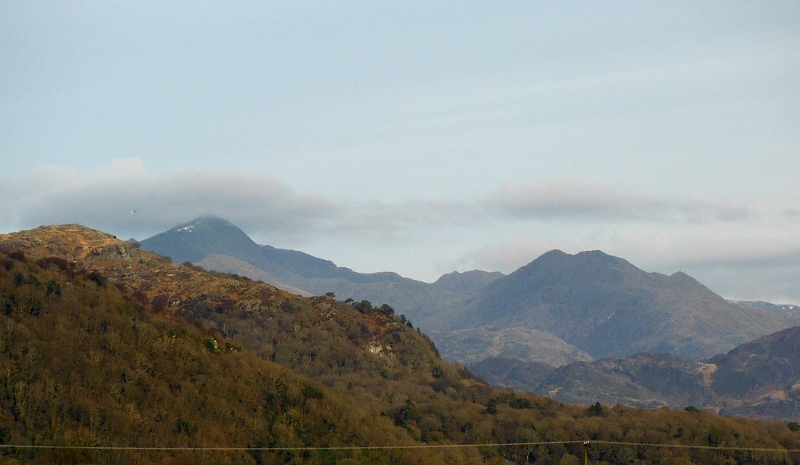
x=606, y=306
x=467, y=281
x=557, y=261
x=586, y=255
x=195, y=240
x=210, y=235
x=211, y=222
x=595, y=254
x=680, y=276
x=554, y=254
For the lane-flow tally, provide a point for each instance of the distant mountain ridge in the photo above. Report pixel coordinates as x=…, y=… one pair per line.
x=211, y=235
x=467, y=282
x=208, y=240
x=591, y=303
x=758, y=379
x=228, y=264
x=609, y=308
x=769, y=306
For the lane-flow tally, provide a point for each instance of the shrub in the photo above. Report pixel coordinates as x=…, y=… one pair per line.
x=595, y=410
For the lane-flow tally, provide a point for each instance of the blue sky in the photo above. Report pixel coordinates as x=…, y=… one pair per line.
x=418, y=137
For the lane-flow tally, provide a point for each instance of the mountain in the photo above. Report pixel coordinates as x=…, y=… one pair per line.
x=466, y=283
x=590, y=303
x=112, y=354
x=228, y=264
x=88, y=364
x=106, y=345
x=765, y=372
x=512, y=372
x=642, y=380
x=217, y=244
x=758, y=379
x=769, y=306
x=469, y=346
x=607, y=307
x=210, y=235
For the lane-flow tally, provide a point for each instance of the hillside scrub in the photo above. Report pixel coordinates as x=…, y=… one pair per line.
x=225, y=362
x=91, y=365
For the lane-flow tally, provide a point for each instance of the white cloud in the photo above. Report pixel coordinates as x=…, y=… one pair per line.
x=104, y=198
x=749, y=251
x=582, y=201
x=757, y=258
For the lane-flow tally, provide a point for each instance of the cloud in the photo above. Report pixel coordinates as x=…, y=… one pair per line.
x=104, y=198
x=582, y=201
x=749, y=251
x=267, y=208
x=505, y=256
x=758, y=259
x=264, y=207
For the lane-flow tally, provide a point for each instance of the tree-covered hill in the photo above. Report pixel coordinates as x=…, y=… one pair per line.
x=102, y=344
x=84, y=363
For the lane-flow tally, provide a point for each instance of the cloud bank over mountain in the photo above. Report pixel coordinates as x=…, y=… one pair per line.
x=417, y=138
x=741, y=251
x=584, y=201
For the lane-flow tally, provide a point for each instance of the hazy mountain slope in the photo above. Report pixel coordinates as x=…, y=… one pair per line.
x=467, y=282
x=765, y=373
x=469, y=346
x=758, y=367
x=512, y=373
x=643, y=380
x=607, y=307
x=758, y=379
x=770, y=306
x=228, y=264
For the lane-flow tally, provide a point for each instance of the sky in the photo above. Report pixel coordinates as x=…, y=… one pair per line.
x=418, y=137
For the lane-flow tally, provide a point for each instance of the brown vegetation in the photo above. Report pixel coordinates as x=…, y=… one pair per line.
x=103, y=344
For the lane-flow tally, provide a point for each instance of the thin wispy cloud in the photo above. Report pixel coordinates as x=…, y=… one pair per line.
x=582, y=201
x=503, y=232
x=105, y=198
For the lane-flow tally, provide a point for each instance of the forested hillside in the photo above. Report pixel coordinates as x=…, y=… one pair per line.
x=103, y=345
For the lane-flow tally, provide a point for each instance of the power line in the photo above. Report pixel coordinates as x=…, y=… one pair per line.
x=691, y=446
x=395, y=447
